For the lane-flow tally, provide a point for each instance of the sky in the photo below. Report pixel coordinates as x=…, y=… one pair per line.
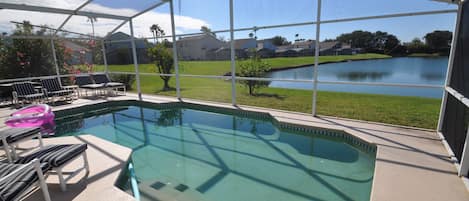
x=190, y=15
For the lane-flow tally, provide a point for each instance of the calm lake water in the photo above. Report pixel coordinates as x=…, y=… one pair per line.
x=403, y=70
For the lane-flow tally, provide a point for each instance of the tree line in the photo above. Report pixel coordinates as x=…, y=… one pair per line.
x=436, y=42
x=34, y=57
x=27, y=57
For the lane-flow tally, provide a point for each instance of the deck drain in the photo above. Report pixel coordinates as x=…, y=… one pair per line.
x=181, y=187
x=158, y=185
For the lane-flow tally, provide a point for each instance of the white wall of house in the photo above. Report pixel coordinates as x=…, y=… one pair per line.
x=267, y=44
x=248, y=43
x=196, y=47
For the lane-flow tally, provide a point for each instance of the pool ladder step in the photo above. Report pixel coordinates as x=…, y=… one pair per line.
x=158, y=190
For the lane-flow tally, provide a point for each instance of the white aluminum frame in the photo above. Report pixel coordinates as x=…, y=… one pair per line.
x=396, y=15
x=138, y=14
x=449, y=68
x=233, y=77
x=103, y=49
x=232, y=56
x=54, y=55
x=464, y=165
x=134, y=55
x=52, y=29
x=60, y=173
x=10, y=148
x=288, y=80
x=175, y=52
x=464, y=100
x=41, y=181
x=71, y=15
x=35, y=78
x=316, y=58
x=25, y=7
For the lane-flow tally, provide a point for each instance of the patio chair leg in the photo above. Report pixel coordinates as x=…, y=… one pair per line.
x=63, y=185
x=42, y=181
x=85, y=162
x=7, y=150
x=13, y=151
x=39, y=137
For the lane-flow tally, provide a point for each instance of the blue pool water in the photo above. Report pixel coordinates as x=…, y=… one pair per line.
x=189, y=154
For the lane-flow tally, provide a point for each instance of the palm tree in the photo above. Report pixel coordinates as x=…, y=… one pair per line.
x=157, y=31
x=92, y=20
x=255, y=32
x=207, y=30
x=153, y=29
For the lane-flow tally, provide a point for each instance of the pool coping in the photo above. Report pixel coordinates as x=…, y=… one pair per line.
x=332, y=134
x=386, y=158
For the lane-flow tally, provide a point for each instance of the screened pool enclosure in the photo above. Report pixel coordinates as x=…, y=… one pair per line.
x=84, y=36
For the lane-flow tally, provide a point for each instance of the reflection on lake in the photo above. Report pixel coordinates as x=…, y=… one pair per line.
x=359, y=76
x=403, y=70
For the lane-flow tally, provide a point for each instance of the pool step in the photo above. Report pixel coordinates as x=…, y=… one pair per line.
x=171, y=191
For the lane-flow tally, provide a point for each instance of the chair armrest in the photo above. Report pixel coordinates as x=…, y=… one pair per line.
x=44, y=91
x=38, y=89
x=15, y=95
x=19, y=170
x=6, y=147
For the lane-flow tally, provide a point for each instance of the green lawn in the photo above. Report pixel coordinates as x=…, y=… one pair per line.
x=409, y=111
x=222, y=67
x=424, y=55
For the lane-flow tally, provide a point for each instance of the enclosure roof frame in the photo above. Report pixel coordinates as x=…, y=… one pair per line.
x=79, y=12
x=25, y=7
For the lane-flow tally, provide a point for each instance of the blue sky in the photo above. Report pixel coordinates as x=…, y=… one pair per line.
x=191, y=14
x=249, y=13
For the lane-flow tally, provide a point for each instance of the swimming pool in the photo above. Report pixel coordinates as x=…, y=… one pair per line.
x=193, y=152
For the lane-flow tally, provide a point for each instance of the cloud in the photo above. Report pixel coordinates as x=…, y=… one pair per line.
x=183, y=24
x=81, y=24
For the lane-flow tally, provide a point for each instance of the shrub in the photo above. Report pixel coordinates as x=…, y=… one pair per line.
x=127, y=80
x=253, y=67
x=163, y=58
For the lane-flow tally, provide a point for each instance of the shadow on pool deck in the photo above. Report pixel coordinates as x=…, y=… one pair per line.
x=106, y=162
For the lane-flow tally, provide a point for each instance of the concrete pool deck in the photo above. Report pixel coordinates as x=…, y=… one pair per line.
x=106, y=161
x=411, y=164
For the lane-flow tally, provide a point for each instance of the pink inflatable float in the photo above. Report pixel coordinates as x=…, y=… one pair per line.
x=40, y=115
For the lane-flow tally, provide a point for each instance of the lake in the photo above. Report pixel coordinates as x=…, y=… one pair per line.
x=402, y=70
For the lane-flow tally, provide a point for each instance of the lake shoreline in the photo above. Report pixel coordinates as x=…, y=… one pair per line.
x=321, y=63
x=326, y=62
x=348, y=60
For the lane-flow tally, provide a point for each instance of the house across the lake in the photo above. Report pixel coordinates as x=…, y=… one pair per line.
x=299, y=48
x=208, y=47
x=307, y=48
x=266, y=48
x=337, y=48
x=242, y=48
x=120, y=52
x=197, y=47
